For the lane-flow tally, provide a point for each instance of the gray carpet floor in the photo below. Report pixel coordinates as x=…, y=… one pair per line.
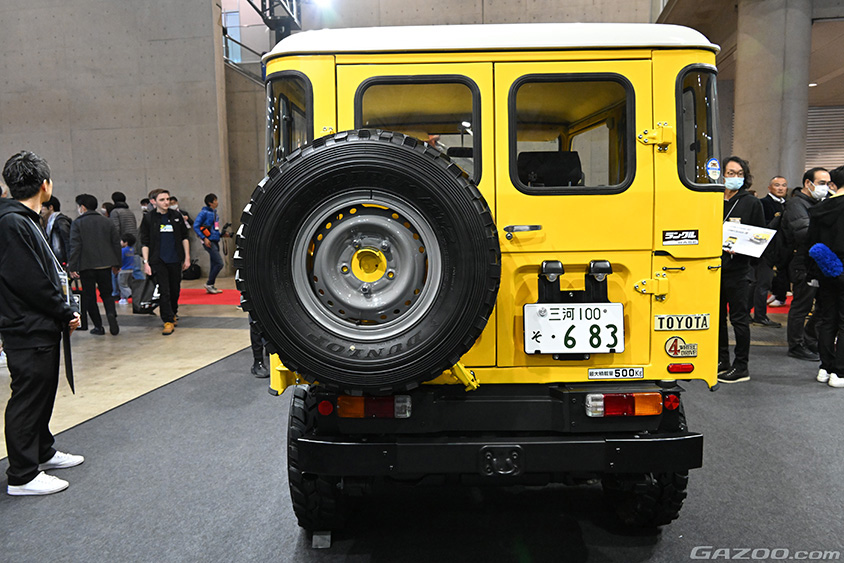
x=195, y=471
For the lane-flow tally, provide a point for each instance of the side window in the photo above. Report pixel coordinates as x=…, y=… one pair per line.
x=697, y=137
x=571, y=134
x=290, y=122
x=441, y=111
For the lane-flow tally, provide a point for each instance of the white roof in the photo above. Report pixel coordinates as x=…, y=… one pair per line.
x=491, y=37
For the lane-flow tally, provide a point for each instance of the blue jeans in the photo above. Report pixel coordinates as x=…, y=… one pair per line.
x=216, y=261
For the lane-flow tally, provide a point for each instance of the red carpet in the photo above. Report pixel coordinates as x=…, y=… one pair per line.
x=200, y=297
x=783, y=309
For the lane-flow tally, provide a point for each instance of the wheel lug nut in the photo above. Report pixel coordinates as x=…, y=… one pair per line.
x=385, y=245
x=365, y=289
x=344, y=268
x=356, y=243
x=390, y=274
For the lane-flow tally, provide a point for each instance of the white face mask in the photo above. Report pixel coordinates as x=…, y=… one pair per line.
x=820, y=191
x=733, y=183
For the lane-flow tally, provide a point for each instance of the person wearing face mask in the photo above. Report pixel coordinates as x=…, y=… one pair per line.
x=826, y=226
x=740, y=206
x=802, y=343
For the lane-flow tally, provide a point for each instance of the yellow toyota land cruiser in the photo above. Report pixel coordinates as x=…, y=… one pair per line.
x=488, y=254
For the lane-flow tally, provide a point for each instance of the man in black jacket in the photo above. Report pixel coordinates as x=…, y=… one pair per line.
x=166, y=252
x=94, y=256
x=772, y=205
x=57, y=225
x=800, y=335
x=740, y=206
x=33, y=310
x=826, y=226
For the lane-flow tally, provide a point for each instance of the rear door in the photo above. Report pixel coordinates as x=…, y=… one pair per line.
x=570, y=168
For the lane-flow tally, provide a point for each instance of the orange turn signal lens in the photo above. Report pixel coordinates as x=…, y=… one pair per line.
x=647, y=404
x=350, y=407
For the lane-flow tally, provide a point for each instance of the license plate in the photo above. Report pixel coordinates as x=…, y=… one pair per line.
x=574, y=328
x=617, y=373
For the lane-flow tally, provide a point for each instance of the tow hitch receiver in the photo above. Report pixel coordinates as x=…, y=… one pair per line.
x=504, y=461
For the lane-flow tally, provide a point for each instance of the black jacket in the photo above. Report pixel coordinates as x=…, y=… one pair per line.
x=826, y=225
x=795, y=227
x=94, y=243
x=60, y=237
x=773, y=220
x=33, y=309
x=151, y=236
x=773, y=210
x=745, y=208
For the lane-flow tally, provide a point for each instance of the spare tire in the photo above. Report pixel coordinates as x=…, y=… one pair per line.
x=369, y=261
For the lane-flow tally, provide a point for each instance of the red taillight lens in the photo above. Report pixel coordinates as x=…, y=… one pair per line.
x=681, y=368
x=672, y=402
x=325, y=408
x=378, y=407
x=618, y=404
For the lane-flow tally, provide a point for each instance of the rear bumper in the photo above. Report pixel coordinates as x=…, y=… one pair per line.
x=501, y=456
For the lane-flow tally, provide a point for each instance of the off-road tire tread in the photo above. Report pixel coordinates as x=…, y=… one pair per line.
x=317, y=501
x=489, y=234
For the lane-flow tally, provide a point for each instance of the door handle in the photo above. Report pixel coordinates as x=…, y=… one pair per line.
x=510, y=229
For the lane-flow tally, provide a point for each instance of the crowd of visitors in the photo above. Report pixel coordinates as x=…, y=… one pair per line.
x=808, y=235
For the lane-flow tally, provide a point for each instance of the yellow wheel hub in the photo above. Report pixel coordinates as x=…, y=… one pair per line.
x=369, y=265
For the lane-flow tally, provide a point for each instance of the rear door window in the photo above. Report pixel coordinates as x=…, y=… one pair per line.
x=697, y=115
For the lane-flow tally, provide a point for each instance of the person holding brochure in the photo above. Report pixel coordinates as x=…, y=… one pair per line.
x=740, y=206
x=34, y=310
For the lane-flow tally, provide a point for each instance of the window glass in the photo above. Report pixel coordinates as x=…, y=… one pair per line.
x=289, y=118
x=442, y=114
x=570, y=133
x=698, y=142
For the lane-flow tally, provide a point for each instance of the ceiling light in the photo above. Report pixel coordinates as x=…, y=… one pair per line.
x=812, y=84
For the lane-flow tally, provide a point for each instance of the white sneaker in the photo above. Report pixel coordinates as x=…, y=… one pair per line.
x=770, y=299
x=776, y=303
x=823, y=376
x=835, y=381
x=43, y=484
x=61, y=460
x=123, y=302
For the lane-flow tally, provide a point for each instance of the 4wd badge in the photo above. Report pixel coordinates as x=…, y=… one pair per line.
x=674, y=238
x=676, y=347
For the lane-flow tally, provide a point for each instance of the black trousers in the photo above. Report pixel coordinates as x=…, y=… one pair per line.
x=256, y=341
x=169, y=280
x=91, y=280
x=35, y=378
x=829, y=311
x=734, y=297
x=764, y=280
x=798, y=332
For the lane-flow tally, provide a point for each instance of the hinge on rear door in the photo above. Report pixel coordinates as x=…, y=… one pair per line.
x=662, y=135
x=658, y=286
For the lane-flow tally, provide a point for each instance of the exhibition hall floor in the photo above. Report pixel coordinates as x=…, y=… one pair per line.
x=195, y=470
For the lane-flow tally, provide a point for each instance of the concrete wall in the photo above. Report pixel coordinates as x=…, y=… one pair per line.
x=364, y=13
x=116, y=96
x=246, y=114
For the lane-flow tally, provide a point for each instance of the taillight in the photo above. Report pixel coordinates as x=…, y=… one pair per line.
x=681, y=368
x=397, y=406
x=623, y=404
x=671, y=402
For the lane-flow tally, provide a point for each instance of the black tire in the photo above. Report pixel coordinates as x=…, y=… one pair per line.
x=317, y=500
x=421, y=226
x=649, y=500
